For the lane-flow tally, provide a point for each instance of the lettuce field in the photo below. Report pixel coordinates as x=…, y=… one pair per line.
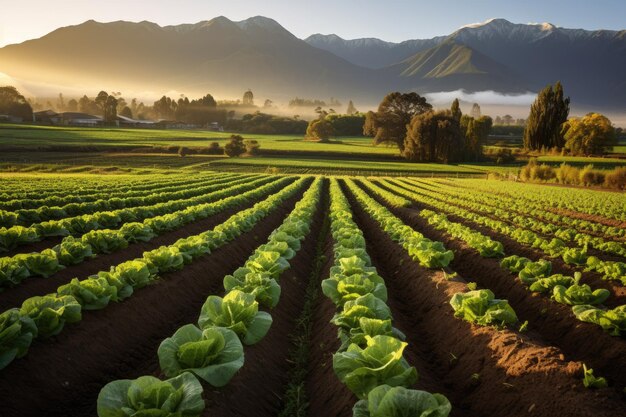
x=233, y=294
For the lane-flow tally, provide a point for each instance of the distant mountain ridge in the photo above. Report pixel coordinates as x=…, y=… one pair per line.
x=226, y=58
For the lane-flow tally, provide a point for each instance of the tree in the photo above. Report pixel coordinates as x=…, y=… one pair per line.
x=110, y=110
x=14, y=104
x=590, y=135
x=475, y=113
x=547, y=114
x=351, y=109
x=60, y=103
x=248, y=98
x=268, y=104
x=320, y=129
x=235, y=147
x=369, y=126
x=394, y=113
x=456, y=110
x=507, y=119
x=126, y=112
x=476, y=132
x=72, y=105
x=252, y=146
x=434, y=137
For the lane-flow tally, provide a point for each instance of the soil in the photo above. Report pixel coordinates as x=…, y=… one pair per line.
x=589, y=217
x=501, y=372
x=13, y=297
x=63, y=375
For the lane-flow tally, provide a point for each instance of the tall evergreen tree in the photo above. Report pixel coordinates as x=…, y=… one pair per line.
x=547, y=114
x=456, y=109
x=351, y=109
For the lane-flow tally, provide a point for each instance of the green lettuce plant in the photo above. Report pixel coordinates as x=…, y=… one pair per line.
x=547, y=284
x=16, y=235
x=514, y=263
x=16, y=334
x=72, y=251
x=164, y=259
x=51, y=312
x=260, y=284
x=380, y=362
x=613, y=321
x=105, y=241
x=44, y=263
x=91, y=293
x=368, y=306
x=575, y=256
x=535, y=270
x=341, y=288
x=386, y=401
x=192, y=247
x=137, y=232
x=579, y=295
x=267, y=262
x=430, y=254
x=591, y=381
x=148, y=396
x=12, y=272
x=239, y=312
x=214, y=354
x=481, y=307
x=368, y=327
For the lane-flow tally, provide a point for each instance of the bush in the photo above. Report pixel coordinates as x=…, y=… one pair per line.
x=252, y=147
x=590, y=177
x=213, y=149
x=235, y=147
x=183, y=151
x=567, y=174
x=504, y=156
x=616, y=179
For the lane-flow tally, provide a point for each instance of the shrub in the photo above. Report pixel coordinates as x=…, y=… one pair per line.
x=235, y=147
x=183, y=151
x=616, y=179
x=252, y=146
x=567, y=174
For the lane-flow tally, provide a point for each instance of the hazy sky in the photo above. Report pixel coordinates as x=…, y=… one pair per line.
x=393, y=20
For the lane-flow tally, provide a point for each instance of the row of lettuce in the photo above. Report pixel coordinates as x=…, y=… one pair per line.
x=40, y=187
x=521, y=216
x=17, y=235
x=44, y=316
x=212, y=350
x=370, y=360
x=34, y=216
x=536, y=276
x=70, y=193
x=74, y=250
x=606, y=204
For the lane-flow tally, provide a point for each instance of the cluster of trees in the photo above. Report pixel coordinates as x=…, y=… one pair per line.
x=508, y=120
x=408, y=121
x=548, y=126
x=201, y=111
x=263, y=123
x=12, y=103
x=329, y=124
x=306, y=102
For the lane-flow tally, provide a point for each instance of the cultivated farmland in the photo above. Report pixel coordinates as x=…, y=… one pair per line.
x=244, y=294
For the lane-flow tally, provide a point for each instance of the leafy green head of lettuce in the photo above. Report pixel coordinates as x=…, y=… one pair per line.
x=368, y=306
x=271, y=263
x=579, y=294
x=535, y=270
x=239, y=312
x=148, y=396
x=514, y=263
x=16, y=235
x=214, y=354
x=341, y=288
x=72, y=251
x=134, y=273
x=368, y=327
x=260, y=284
x=430, y=254
x=12, y=272
x=547, y=284
x=481, y=307
x=575, y=256
x=91, y=293
x=352, y=265
x=16, y=334
x=380, y=362
x=164, y=259
x=105, y=241
x=613, y=321
x=279, y=247
x=192, y=247
x=386, y=401
x=51, y=312
x=291, y=240
x=44, y=263
x=137, y=232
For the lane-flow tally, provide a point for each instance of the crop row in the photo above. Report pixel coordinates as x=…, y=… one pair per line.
x=576, y=256
x=521, y=216
x=15, y=236
x=45, y=316
x=212, y=350
x=370, y=359
x=523, y=206
x=535, y=275
x=606, y=204
x=73, y=251
x=22, y=211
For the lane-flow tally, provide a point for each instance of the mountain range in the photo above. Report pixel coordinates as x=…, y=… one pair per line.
x=225, y=58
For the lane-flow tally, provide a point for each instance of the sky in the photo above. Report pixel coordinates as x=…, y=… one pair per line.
x=391, y=20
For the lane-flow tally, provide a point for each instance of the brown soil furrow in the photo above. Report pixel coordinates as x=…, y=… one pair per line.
x=556, y=323
x=517, y=374
x=64, y=375
x=257, y=389
x=14, y=297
